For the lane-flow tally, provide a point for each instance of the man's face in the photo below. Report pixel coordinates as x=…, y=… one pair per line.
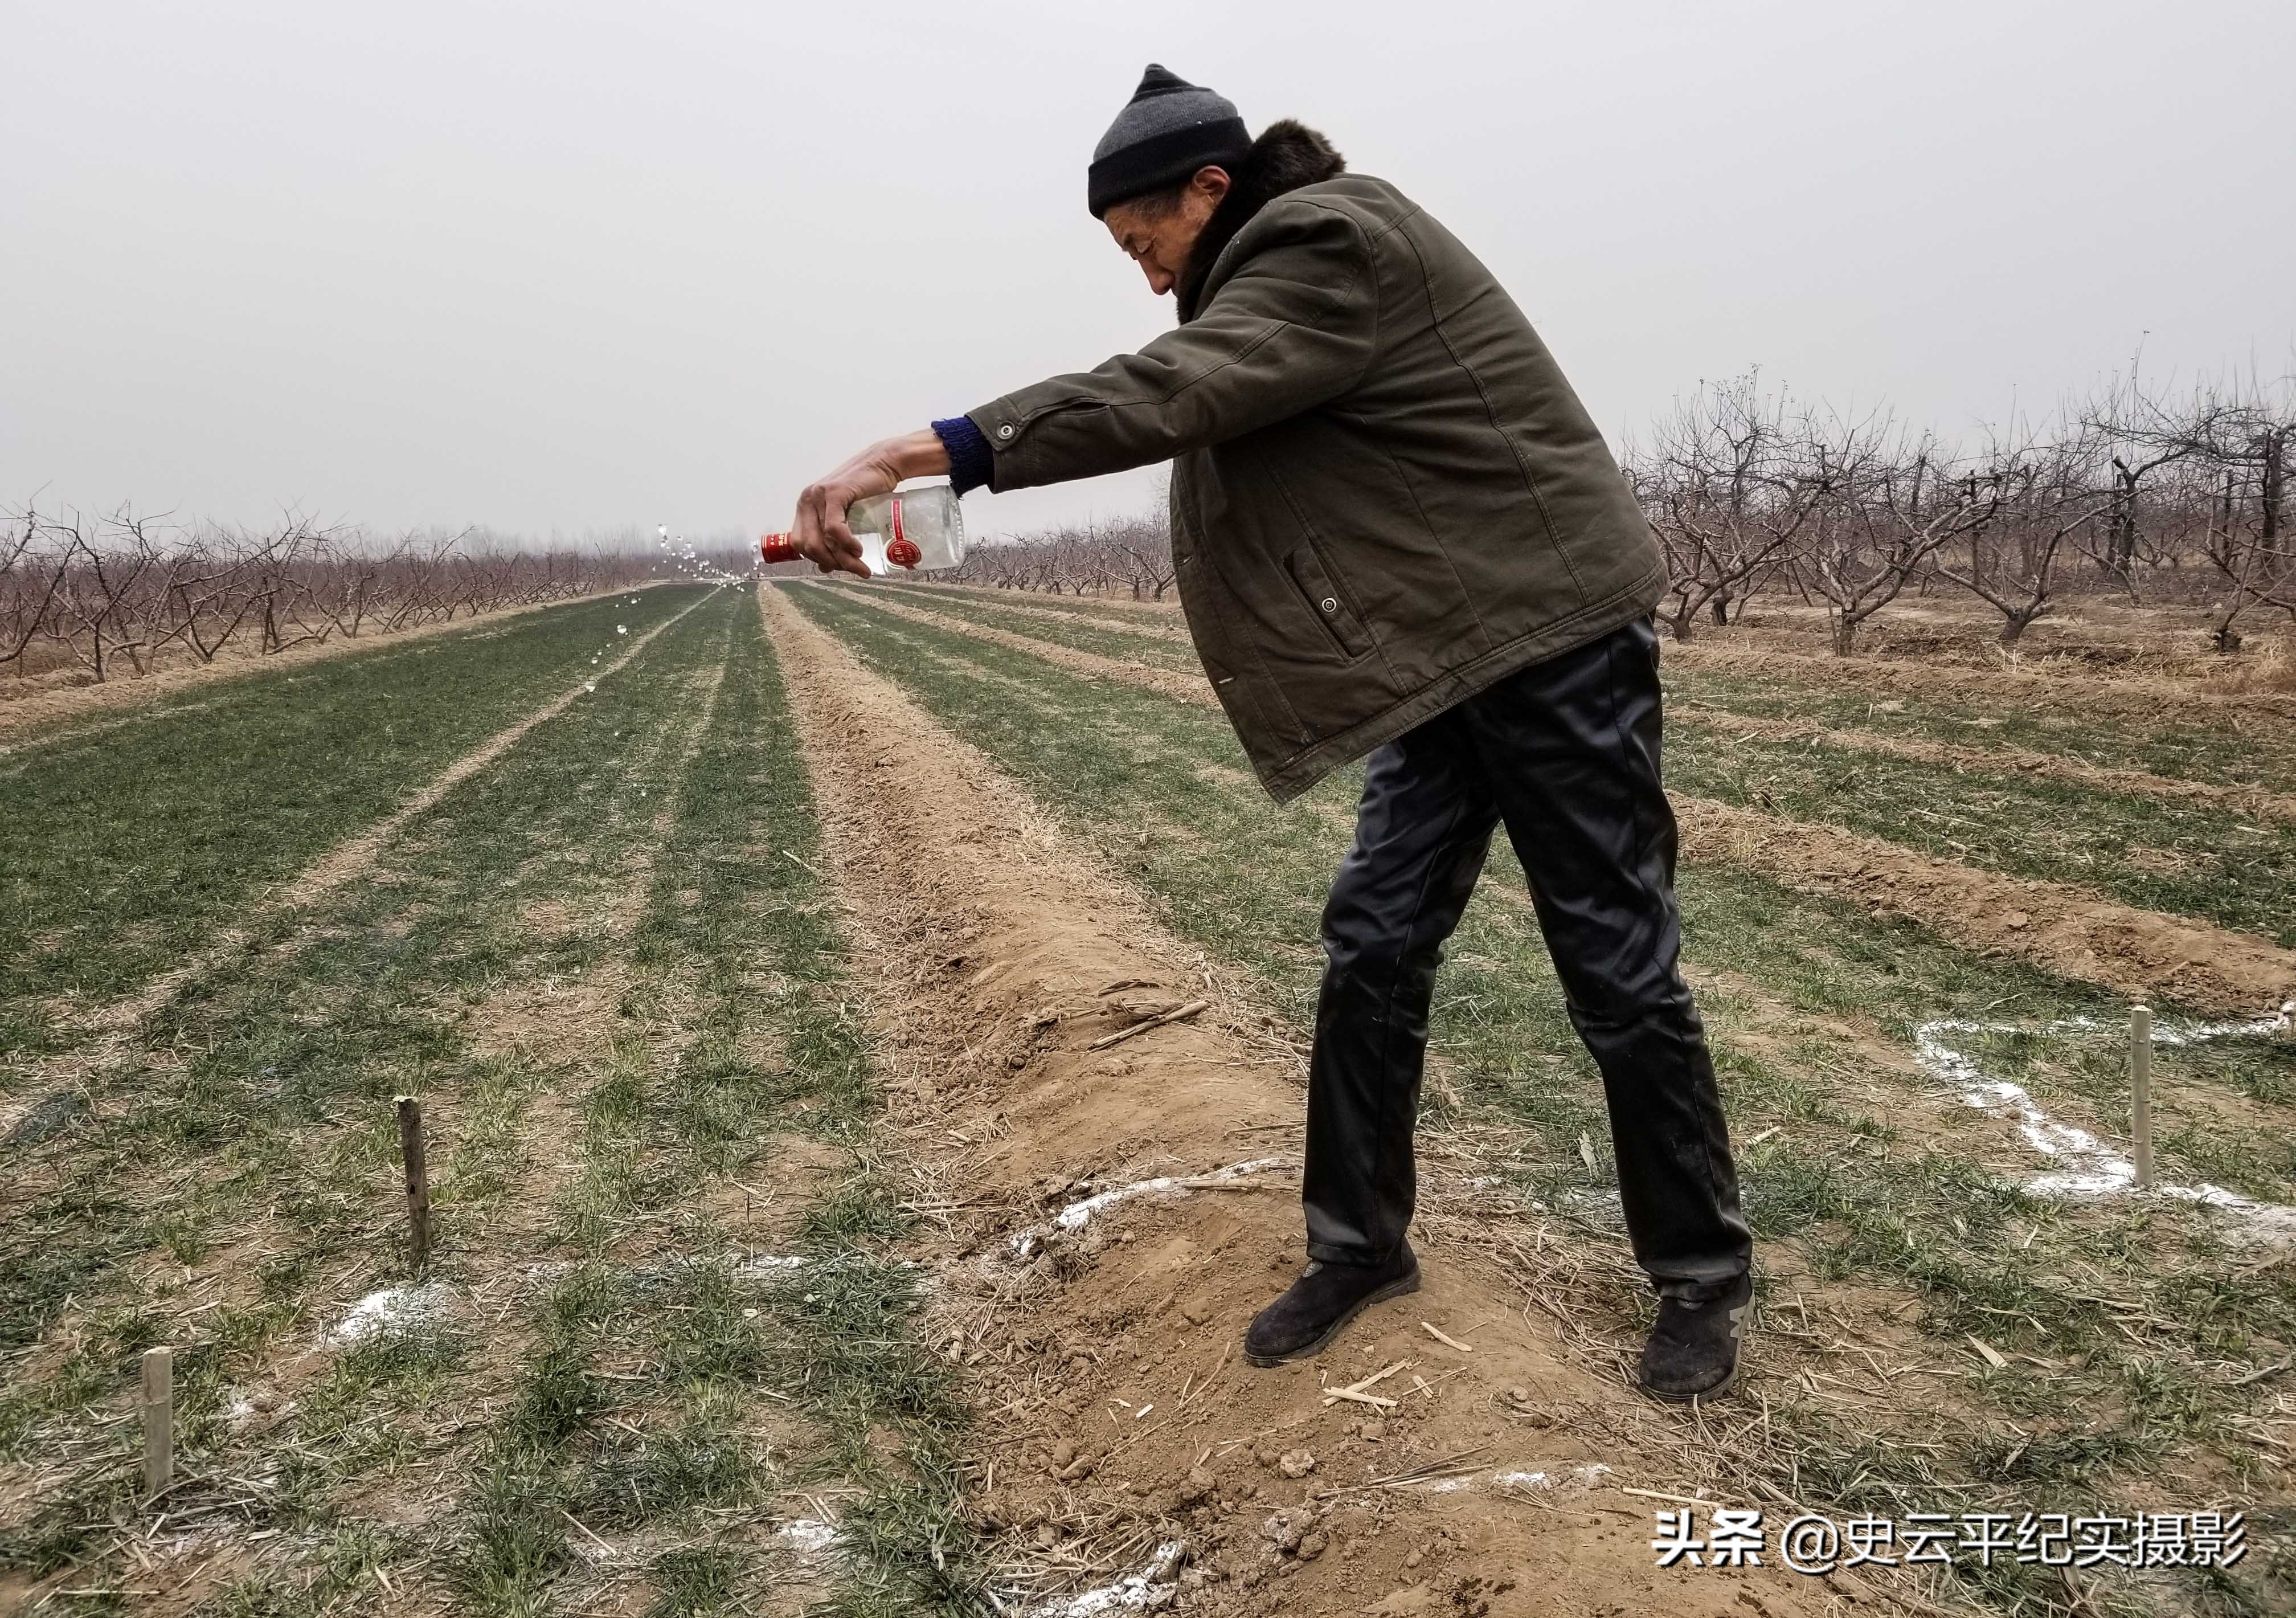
x=1158, y=238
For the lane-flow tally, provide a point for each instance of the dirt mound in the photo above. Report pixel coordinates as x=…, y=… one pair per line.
x=1101, y=1312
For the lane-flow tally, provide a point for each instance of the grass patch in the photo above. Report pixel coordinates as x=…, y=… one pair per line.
x=2155, y=854
x=1104, y=634
x=670, y=1389
x=2043, y=720
x=123, y=852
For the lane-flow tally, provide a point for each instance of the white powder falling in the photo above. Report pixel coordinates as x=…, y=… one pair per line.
x=1076, y=1215
x=390, y=1310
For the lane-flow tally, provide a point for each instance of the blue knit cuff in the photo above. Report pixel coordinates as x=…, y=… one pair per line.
x=971, y=464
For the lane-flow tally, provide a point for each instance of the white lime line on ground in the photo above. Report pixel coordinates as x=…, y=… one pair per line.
x=2090, y=1168
x=1078, y=1215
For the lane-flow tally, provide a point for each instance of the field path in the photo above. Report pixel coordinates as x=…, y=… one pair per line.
x=1006, y=955
x=2069, y=930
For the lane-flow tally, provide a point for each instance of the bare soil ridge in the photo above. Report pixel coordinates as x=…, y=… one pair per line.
x=1121, y=1414
x=2068, y=930
x=1185, y=687
x=2049, y=681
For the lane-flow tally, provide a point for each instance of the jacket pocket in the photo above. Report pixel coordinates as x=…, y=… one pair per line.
x=1325, y=603
x=1238, y=675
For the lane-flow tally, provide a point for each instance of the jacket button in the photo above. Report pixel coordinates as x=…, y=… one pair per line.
x=1005, y=432
x=1330, y=605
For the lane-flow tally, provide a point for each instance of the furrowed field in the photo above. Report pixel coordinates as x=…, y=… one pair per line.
x=759, y=955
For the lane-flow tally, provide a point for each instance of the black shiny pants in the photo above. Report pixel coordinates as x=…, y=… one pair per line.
x=1565, y=755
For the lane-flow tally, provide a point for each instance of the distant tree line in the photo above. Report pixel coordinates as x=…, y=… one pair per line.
x=1098, y=557
x=2165, y=500
x=2160, y=498
x=118, y=595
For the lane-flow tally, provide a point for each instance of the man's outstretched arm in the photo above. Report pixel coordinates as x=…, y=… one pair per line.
x=1295, y=327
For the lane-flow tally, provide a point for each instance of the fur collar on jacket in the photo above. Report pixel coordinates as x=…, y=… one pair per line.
x=1287, y=155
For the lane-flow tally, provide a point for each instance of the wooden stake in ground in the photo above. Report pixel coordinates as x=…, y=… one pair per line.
x=159, y=1419
x=2140, y=1089
x=418, y=1179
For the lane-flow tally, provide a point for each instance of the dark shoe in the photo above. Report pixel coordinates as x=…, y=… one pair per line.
x=1323, y=1300
x=1692, y=1352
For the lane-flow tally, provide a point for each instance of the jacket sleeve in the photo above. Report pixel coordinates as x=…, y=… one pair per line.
x=1294, y=326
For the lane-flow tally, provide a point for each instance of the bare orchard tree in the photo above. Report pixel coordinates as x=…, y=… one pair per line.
x=1888, y=504
x=2248, y=539
x=100, y=615
x=2144, y=443
x=276, y=567
x=1144, y=547
x=2040, y=494
x=1726, y=494
x=1078, y=558
x=207, y=599
x=2237, y=438
x=32, y=567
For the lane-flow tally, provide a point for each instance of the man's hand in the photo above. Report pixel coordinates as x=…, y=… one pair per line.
x=820, y=534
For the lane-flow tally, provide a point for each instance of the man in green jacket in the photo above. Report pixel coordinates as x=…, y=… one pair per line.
x=1396, y=533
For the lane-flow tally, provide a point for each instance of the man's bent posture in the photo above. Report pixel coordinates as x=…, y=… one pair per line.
x=1396, y=533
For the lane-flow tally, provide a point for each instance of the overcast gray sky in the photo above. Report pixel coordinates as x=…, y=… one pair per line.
x=573, y=265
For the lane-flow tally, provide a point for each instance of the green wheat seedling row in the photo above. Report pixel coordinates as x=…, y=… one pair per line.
x=122, y=854
x=615, y=1008
x=1107, y=637
x=2155, y=853
x=2180, y=745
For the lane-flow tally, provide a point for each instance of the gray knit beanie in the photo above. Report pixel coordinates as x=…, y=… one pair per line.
x=1167, y=131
